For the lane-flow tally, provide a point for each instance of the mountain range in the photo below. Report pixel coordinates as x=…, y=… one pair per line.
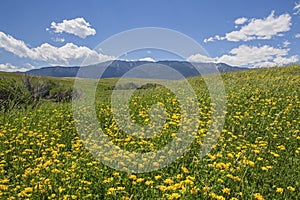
x=136, y=69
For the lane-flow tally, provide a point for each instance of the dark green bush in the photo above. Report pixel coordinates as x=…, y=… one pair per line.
x=13, y=94
x=29, y=90
x=149, y=86
x=64, y=94
x=126, y=86
x=37, y=87
x=133, y=86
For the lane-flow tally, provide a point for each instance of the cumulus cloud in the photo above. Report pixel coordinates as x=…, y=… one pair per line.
x=297, y=35
x=258, y=29
x=11, y=68
x=77, y=26
x=297, y=9
x=250, y=56
x=253, y=56
x=69, y=54
x=14, y=46
x=240, y=21
x=284, y=61
x=200, y=58
x=211, y=39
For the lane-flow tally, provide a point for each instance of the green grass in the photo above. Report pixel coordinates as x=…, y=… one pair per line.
x=256, y=156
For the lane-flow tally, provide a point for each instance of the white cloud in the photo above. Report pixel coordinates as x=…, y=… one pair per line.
x=240, y=21
x=286, y=43
x=200, y=58
x=259, y=29
x=297, y=8
x=149, y=59
x=250, y=56
x=211, y=39
x=278, y=61
x=69, y=54
x=11, y=68
x=77, y=26
x=297, y=35
x=284, y=61
x=58, y=39
x=14, y=46
x=253, y=56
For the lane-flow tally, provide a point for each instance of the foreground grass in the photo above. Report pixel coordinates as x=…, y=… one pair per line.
x=256, y=156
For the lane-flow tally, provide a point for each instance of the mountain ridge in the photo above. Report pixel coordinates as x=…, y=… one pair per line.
x=118, y=68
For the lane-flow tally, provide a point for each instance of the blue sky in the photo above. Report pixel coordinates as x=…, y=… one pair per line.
x=256, y=33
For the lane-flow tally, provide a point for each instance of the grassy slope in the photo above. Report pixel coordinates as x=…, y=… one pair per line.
x=257, y=154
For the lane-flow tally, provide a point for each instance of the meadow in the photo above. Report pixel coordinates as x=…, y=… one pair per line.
x=257, y=155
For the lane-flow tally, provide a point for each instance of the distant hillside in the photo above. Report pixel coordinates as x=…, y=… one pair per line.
x=119, y=68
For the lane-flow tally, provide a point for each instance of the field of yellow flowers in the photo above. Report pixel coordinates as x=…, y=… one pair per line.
x=257, y=155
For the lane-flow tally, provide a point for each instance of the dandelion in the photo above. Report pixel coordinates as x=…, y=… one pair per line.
x=139, y=180
x=279, y=190
x=194, y=190
x=266, y=168
x=116, y=174
x=281, y=147
x=274, y=154
x=108, y=180
x=174, y=196
x=259, y=158
x=179, y=176
x=3, y=187
x=162, y=188
x=61, y=189
x=220, y=197
x=111, y=190
x=133, y=177
x=149, y=182
x=24, y=193
x=226, y=190
x=250, y=163
x=258, y=196
x=220, y=180
x=206, y=189
x=256, y=151
x=291, y=188
x=120, y=188
x=168, y=181
x=212, y=195
x=185, y=170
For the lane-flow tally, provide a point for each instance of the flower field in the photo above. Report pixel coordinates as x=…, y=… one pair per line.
x=257, y=155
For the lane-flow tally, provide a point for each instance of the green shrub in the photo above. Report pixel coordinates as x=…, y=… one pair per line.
x=13, y=94
x=37, y=87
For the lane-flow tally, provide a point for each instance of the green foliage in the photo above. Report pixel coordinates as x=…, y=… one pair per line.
x=13, y=94
x=25, y=90
x=133, y=86
x=61, y=93
x=37, y=87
